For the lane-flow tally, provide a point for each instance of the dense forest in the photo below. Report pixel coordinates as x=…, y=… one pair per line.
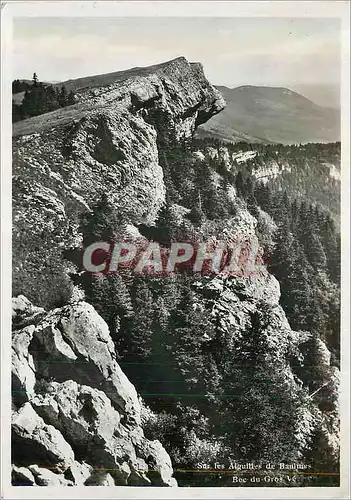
x=308, y=172
x=38, y=98
x=204, y=400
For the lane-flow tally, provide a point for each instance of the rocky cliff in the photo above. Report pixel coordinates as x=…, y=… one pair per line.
x=106, y=143
x=76, y=415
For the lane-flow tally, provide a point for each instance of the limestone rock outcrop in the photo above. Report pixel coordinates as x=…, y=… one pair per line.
x=106, y=143
x=76, y=417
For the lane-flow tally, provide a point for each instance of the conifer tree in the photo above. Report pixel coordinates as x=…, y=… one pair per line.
x=282, y=260
x=35, y=79
x=196, y=215
x=166, y=223
x=16, y=112
x=295, y=216
x=62, y=97
x=240, y=184
x=263, y=196
x=314, y=251
x=142, y=323
x=102, y=223
x=70, y=98
x=111, y=298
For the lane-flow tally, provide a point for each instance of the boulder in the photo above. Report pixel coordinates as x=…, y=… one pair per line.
x=23, y=367
x=78, y=472
x=22, y=476
x=46, y=477
x=24, y=312
x=33, y=440
x=76, y=342
x=93, y=427
x=100, y=478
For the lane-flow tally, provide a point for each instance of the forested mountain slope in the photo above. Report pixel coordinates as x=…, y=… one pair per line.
x=308, y=172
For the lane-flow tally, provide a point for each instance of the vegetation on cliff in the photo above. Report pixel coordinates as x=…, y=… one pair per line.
x=38, y=98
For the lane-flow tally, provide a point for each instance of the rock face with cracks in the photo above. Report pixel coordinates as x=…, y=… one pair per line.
x=106, y=143
x=76, y=416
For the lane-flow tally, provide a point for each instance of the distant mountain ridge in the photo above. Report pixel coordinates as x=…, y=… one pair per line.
x=326, y=95
x=270, y=115
x=256, y=114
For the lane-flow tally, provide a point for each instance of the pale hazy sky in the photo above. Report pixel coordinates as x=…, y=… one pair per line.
x=234, y=51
